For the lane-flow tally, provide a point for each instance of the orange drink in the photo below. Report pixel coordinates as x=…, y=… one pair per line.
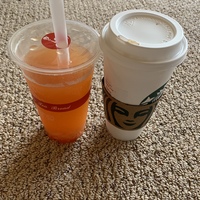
x=60, y=90
x=61, y=100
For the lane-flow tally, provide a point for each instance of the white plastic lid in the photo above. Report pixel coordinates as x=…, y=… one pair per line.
x=146, y=36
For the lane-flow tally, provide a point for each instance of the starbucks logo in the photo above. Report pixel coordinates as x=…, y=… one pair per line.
x=154, y=96
x=126, y=116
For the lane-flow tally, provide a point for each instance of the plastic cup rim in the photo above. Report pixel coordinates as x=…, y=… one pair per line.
x=28, y=67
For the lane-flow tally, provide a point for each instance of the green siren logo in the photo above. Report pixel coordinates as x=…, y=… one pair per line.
x=154, y=96
x=126, y=116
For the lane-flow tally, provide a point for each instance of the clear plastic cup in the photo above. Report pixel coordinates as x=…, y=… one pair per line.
x=60, y=91
x=141, y=50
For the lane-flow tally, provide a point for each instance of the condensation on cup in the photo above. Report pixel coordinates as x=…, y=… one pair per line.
x=141, y=50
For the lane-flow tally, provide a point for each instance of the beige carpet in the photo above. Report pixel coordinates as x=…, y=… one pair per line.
x=163, y=163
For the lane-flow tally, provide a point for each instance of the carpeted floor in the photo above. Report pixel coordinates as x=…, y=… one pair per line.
x=163, y=163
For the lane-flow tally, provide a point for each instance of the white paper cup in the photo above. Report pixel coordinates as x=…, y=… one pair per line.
x=141, y=50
